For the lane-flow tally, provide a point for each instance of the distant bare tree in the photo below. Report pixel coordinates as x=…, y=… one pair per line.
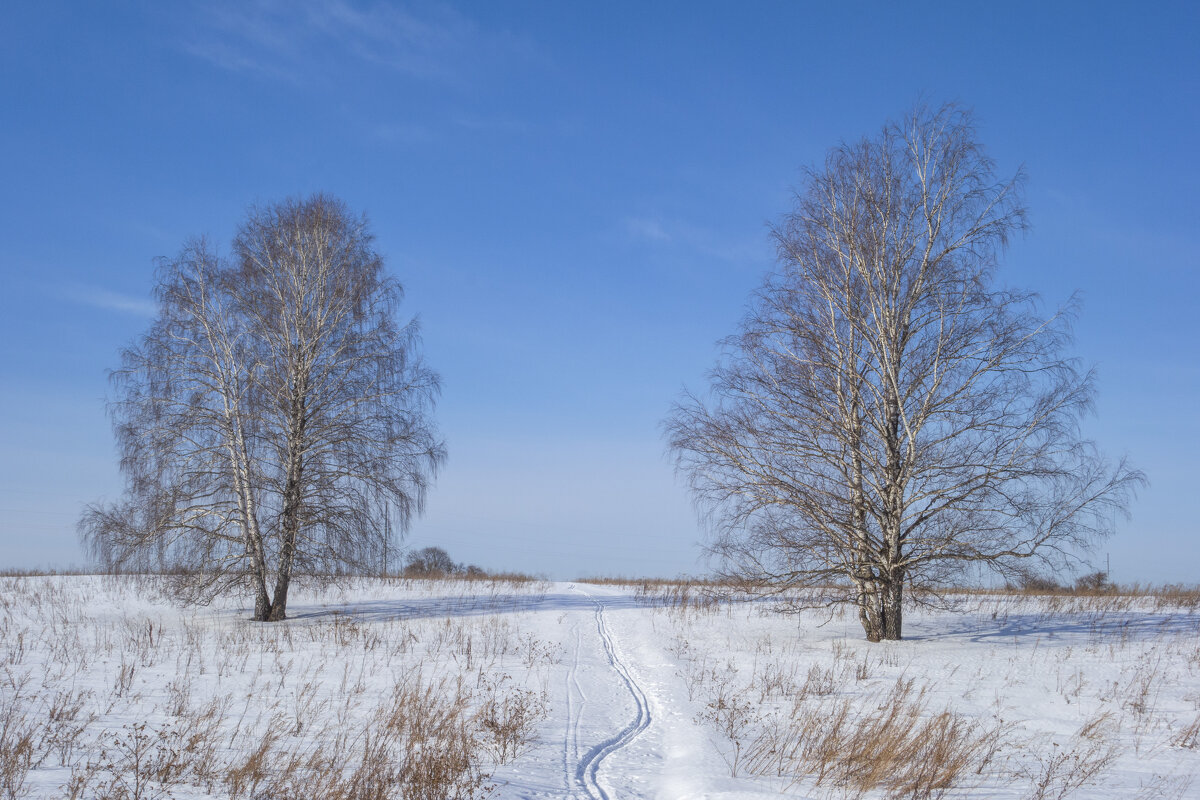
x=274, y=413
x=886, y=414
x=431, y=561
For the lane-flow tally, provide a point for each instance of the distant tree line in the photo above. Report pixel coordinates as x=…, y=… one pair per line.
x=1090, y=583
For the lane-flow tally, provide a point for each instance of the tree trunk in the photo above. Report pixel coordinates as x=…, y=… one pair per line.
x=893, y=609
x=869, y=608
x=871, y=625
x=262, y=606
x=291, y=506
x=239, y=458
x=287, y=550
x=287, y=556
x=278, y=610
x=881, y=610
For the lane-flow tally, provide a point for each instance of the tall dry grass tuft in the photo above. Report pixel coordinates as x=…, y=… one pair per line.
x=18, y=742
x=246, y=775
x=1189, y=736
x=508, y=719
x=1064, y=770
x=888, y=744
x=422, y=742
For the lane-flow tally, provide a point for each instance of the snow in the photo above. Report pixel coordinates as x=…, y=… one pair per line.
x=632, y=695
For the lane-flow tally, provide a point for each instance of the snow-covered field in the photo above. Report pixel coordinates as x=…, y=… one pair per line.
x=391, y=688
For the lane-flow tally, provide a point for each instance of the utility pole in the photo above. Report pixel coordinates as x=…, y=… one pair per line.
x=387, y=534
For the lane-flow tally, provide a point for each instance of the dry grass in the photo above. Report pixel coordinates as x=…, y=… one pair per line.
x=18, y=740
x=889, y=743
x=1189, y=736
x=508, y=718
x=855, y=720
x=807, y=727
x=423, y=743
x=339, y=705
x=343, y=706
x=1065, y=770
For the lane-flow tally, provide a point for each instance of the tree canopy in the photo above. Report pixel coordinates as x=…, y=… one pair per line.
x=274, y=413
x=888, y=415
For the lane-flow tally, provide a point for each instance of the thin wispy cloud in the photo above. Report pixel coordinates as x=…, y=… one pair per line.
x=493, y=124
x=702, y=241
x=401, y=133
x=309, y=40
x=108, y=300
x=647, y=229
x=232, y=58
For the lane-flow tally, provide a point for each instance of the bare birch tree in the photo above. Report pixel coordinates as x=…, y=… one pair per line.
x=887, y=415
x=274, y=413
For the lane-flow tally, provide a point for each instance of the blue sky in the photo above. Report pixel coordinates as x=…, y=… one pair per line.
x=576, y=198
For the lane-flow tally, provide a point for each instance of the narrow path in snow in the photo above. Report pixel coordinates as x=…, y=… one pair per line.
x=587, y=771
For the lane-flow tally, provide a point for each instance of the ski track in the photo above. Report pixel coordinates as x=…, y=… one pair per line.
x=587, y=774
x=571, y=729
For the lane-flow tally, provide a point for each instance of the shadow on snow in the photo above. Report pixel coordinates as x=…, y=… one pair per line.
x=387, y=610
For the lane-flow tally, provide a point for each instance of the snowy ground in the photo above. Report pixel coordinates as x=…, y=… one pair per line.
x=572, y=690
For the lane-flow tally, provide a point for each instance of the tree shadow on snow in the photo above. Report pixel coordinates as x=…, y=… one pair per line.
x=1125, y=625
x=388, y=610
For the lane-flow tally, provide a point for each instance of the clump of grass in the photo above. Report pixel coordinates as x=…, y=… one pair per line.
x=66, y=721
x=1065, y=770
x=18, y=749
x=508, y=719
x=1189, y=736
x=422, y=743
x=888, y=744
x=1178, y=596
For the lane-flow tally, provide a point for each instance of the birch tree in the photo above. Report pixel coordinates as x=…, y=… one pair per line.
x=887, y=415
x=273, y=414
